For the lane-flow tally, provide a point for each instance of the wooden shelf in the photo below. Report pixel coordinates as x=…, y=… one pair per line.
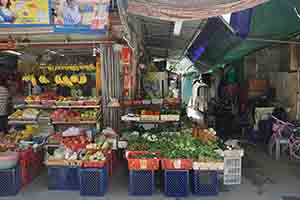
x=57, y=107
x=151, y=122
x=78, y=107
x=16, y=122
x=151, y=105
x=73, y=123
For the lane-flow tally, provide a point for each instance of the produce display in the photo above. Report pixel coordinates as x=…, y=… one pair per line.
x=64, y=115
x=205, y=135
x=50, y=96
x=64, y=80
x=150, y=115
x=147, y=115
x=15, y=136
x=43, y=79
x=79, y=149
x=30, y=78
x=71, y=142
x=177, y=146
x=94, y=156
x=59, y=79
x=46, y=96
x=27, y=114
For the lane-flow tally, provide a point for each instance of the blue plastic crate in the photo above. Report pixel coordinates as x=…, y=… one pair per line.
x=93, y=181
x=205, y=183
x=176, y=183
x=63, y=178
x=141, y=183
x=10, y=181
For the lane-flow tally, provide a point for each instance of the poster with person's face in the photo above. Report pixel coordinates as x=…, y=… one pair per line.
x=80, y=15
x=24, y=12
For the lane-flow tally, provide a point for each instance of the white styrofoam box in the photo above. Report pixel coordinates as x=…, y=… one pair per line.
x=149, y=117
x=209, y=166
x=170, y=117
x=127, y=118
x=157, y=101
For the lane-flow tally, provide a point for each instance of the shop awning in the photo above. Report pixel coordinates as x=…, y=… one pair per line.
x=275, y=20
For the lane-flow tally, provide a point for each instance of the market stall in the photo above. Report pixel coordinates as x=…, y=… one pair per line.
x=183, y=159
x=59, y=102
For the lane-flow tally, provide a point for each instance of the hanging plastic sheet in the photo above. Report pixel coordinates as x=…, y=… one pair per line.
x=262, y=22
x=178, y=10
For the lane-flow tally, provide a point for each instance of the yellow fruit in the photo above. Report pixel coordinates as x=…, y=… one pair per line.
x=26, y=78
x=57, y=80
x=43, y=79
x=82, y=79
x=74, y=78
x=33, y=80
x=67, y=81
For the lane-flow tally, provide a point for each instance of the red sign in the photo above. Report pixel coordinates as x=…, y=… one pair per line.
x=126, y=55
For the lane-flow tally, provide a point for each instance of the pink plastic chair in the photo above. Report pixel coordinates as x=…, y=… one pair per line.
x=276, y=139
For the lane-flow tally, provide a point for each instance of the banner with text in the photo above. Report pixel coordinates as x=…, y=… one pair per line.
x=24, y=13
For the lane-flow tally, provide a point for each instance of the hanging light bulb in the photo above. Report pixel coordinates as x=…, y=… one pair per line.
x=94, y=51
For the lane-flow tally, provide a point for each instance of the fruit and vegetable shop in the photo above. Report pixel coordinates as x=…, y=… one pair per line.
x=130, y=99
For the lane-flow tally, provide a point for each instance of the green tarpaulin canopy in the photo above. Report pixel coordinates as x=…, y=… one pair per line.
x=276, y=20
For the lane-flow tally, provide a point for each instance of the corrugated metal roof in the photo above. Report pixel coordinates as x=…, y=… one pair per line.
x=159, y=39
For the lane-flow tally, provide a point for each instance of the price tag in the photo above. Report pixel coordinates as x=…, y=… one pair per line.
x=177, y=164
x=143, y=164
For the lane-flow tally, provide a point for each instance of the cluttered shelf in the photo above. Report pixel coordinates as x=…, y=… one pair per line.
x=57, y=107
x=73, y=122
x=15, y=122
x=171, y=102
x=150, y=122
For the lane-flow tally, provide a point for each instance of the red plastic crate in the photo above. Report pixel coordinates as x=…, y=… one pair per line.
x=143, y=164
x=182, y=164
x=94, y=164
x=138, y=153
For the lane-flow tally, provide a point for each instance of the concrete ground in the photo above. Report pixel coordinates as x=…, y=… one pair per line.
x=263, y=179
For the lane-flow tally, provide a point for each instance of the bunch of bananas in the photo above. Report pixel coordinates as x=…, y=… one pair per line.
x=26, y=77
x=67, y=81
x=30, y=78
x=74, y=79
x=82, y=79
x=43, y=79
x=25, y=134
x=58, y=80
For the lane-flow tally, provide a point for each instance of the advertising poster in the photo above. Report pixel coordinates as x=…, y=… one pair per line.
x=76, y=16
x=24, y=12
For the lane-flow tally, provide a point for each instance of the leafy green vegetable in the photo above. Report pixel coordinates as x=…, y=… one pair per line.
x=177, y=146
